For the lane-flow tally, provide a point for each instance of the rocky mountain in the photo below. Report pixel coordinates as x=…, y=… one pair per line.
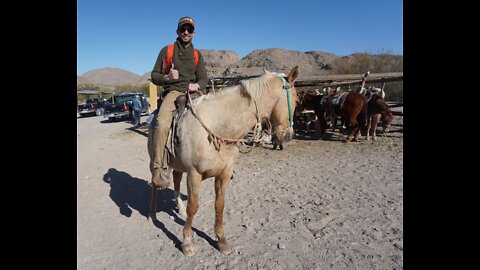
x=217, y=61
x=222, y=63
x=280, y=60
x=110, y=77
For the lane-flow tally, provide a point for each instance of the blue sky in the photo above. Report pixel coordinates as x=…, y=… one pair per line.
x=129, y=34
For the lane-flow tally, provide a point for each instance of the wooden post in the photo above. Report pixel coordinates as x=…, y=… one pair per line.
x=213, y=86
x=153, y=96
x=364, y=79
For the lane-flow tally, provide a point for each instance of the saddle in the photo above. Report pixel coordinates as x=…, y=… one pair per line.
x=181, y=101
x=181, y=104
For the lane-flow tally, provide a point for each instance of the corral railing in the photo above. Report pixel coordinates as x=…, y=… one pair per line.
x=321, y=81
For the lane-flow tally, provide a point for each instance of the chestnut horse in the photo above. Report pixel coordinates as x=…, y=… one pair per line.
x=207, y=136
x=355, y=114
x=378, y=109
x=353, y=110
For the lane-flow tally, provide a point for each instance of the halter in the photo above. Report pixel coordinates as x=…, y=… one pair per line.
x=286, y=86
x=217, y=140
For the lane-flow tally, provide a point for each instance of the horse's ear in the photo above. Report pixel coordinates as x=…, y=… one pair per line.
x=266, y=71
x=293, y=75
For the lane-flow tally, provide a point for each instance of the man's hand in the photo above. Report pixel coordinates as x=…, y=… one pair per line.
x=172, y=75
x=193, y=87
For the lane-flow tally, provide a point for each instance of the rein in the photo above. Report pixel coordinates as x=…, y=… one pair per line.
x=286, y=86
x=217, y=140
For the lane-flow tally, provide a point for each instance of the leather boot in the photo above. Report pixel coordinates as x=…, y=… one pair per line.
x=162, y=178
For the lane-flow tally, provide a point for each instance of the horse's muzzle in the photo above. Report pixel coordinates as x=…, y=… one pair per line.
x=386, y=129
x=289, y=134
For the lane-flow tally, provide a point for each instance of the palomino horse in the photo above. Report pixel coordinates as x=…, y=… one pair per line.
x=378, y=109
x=207, y=136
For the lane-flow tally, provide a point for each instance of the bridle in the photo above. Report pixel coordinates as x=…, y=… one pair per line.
x=217, y=140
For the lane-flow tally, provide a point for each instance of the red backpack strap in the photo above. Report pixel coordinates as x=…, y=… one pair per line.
x=195, y=57
x=168, y=60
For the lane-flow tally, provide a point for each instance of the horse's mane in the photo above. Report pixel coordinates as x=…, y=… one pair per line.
x=251, y=88
x=255, y=87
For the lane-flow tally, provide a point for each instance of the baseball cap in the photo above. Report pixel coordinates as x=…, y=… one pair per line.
x=186, y=20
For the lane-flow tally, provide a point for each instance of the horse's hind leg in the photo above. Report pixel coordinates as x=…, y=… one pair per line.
x=193, y=187
x=177, y=179
x=357, y=133
x=221, y=183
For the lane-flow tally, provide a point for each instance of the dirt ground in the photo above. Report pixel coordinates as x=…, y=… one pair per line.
x=315, y=205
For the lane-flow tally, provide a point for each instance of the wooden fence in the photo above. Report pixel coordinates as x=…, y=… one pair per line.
x=321, y=81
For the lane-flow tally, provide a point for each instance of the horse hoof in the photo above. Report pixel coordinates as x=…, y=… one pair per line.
x=188, y=250
x=281, y=146
x=224, y=248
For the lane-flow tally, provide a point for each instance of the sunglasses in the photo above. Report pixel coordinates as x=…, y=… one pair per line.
x=188, y=28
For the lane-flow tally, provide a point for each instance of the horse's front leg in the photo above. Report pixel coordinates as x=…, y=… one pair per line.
x=193, y=187
x=221, y=183
x=375, y=121
x=369, y=125
x=323, y=127
x=333, y=122
x=177, y=179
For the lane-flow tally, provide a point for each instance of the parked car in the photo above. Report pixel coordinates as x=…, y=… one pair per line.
x=122, y=106
x=92, y=106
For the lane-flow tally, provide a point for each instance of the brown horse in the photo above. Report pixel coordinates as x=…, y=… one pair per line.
x=332, y=105
x=355, y=114
x=378, y=109
x=308, y=101
x=352, y=107
x=207, y=136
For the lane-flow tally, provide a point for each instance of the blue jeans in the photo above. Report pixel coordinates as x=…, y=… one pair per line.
x=136, y=116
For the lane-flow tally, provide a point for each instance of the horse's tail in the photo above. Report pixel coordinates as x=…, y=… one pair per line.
x=358, y=113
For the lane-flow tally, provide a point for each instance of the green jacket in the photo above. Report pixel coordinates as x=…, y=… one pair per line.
x=183, y=61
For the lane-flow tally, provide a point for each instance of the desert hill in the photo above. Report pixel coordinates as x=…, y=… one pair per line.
x=222, y=63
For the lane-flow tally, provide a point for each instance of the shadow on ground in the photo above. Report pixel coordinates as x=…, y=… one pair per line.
x=131, y=193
